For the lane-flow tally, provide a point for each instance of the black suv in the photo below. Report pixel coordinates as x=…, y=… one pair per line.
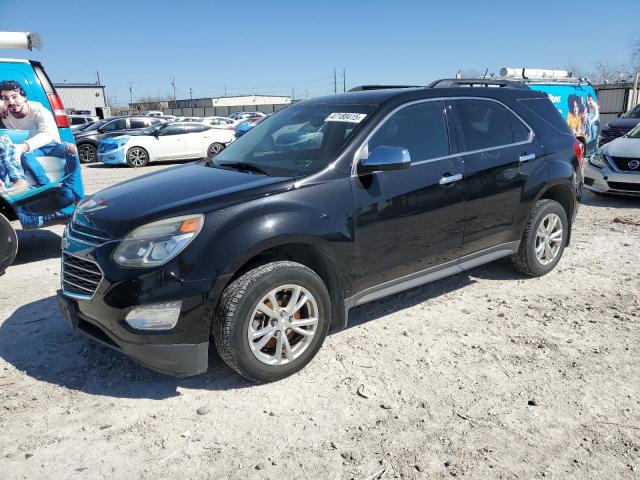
x=88, y=140
x=328, y=204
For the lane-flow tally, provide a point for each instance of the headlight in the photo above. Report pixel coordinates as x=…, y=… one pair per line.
x=597, y=160
x=158, y=242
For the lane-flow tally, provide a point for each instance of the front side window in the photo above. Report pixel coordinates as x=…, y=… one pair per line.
x=299, y=140
x=172, y=129
x=195, y=128
x=421, y=129
x=485, y=124
x=119, y=124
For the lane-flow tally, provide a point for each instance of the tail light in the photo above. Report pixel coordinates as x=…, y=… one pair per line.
x=578, y=149
x=58, y=110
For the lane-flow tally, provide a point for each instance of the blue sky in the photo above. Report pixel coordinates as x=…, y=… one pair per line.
x=271, y=47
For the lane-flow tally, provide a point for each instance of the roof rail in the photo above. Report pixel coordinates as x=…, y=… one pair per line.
x=476, y=82
x=361, y=88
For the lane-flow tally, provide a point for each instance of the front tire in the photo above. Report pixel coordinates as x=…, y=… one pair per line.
x=544, y=239
x=271, y=321
x=137, y=157
x=8, y=244
x=87, y=153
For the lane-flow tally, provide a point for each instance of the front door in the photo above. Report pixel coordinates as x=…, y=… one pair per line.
x=170, y=142
x=410, y=220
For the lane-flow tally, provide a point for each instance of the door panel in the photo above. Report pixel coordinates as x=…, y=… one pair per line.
x=494, y=175
x=405, y=220
x=170, y=142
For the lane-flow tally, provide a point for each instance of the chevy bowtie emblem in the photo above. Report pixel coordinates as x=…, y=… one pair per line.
x=633, y=164
x=92, y=205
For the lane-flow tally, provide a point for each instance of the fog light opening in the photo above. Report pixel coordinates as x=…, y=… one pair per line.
x=157, y=316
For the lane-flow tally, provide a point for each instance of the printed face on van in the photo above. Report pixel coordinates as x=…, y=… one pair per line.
x=13, y=100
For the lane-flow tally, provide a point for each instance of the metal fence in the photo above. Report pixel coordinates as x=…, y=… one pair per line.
x=204, y=111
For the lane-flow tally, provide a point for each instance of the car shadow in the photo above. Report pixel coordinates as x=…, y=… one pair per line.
x=37, y=340
x=609, y=201
x=34, y=245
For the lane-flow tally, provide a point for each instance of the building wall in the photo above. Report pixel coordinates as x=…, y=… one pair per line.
x=82, y=98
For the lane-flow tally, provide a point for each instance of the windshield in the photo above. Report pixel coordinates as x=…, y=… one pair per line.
x=634, y=133
x=297, y=141
x=633, y=113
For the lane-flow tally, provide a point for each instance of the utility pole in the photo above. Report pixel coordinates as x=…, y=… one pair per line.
x=190, y=98
x=130, y=92
x=344, y=80
x=98, y=76
x=225, y=90
x=335, y=82
x=173, y=84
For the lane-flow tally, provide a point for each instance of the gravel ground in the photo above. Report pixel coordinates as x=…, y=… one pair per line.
x=486, y=374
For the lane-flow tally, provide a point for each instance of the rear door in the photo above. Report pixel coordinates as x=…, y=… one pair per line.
x=497, y=160
x=410, y=220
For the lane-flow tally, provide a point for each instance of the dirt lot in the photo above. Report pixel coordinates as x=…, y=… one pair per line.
x=486, y=374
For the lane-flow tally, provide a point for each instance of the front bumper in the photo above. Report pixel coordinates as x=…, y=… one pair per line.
x=608, y=180
x=180, y=360
x=113, y=157
x=180, y=351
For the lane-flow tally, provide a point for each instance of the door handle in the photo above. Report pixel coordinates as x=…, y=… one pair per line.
x=527, y=157
x=447, y=179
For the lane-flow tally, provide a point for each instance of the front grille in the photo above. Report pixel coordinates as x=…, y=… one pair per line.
x=622, y=163
x=87, y=234
x=629, y=187
x=80, y=277
x=613, y=132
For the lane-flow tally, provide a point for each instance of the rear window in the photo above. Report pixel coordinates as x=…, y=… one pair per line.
x=543, y=109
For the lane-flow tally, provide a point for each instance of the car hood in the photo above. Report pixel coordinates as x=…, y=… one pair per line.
x=185, y=189
x=626, y=123
x=623, y=147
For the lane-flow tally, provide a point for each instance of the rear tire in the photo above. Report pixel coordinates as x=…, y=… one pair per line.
x=8, y=244
x=137, y=157
x=87, y=153
x=245, y=310
x=544, y=239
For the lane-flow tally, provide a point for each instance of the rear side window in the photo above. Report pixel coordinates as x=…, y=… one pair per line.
x=173, y=129
x=544, y=110
x=195, y=128
x=421, y=129
x=520, y=130
x=484, y=124
x=137, y=123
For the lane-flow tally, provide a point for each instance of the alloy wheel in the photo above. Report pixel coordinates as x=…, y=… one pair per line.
x=137, y=157
x=548, y=239
x=283, y=324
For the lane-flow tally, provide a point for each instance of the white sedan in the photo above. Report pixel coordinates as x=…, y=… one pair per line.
x=169, y=141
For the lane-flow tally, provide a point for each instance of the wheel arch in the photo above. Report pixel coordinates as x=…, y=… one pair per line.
x=303, y=252
x=562, y=193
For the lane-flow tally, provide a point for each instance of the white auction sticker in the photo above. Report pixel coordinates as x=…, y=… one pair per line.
x=346, y=117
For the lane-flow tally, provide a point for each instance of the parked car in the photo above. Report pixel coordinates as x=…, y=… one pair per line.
x=88, y=141
x=89, y=126
x=615, y=167
x=620, y=126
x=246, y=115
x=260, y=249
x=154, y=113
x=170, y=141
x=77, y=121
x=44, y=185
x=243, y=126
x=219, y=122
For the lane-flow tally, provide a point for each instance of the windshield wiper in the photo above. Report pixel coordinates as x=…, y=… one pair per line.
x=243, y=166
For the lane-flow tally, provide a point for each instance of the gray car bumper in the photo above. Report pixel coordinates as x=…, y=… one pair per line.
x=607, y=180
